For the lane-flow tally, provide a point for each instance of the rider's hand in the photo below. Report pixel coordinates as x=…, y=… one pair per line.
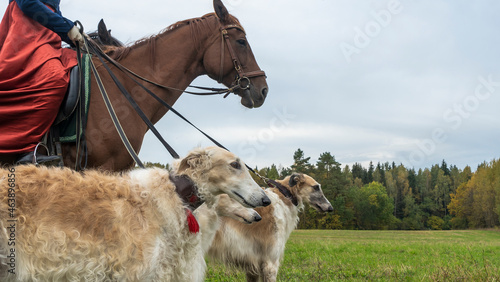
x=75, y=35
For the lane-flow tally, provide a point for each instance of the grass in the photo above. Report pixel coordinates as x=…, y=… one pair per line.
x=333, y=255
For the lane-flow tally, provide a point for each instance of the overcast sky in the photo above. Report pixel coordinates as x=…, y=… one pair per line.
x=413, y=82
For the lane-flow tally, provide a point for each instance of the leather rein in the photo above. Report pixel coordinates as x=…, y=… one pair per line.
x=242, y=80
x=238, y=83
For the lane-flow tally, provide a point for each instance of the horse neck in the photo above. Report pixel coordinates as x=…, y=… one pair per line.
x=172, y=58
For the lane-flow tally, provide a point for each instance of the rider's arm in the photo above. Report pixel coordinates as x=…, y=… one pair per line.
x=52, y=20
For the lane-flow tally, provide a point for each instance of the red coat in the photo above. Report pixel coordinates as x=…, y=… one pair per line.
x=34, y=75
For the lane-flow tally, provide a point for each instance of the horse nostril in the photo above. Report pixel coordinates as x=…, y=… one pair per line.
x=264, y=92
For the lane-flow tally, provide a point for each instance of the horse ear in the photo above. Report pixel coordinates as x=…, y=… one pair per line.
x=103, y=33
x=101, y=26
x=294, y=179
x=221, y=11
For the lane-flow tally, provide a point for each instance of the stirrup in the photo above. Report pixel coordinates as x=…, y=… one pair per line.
x=49, y=159
x=35, y=161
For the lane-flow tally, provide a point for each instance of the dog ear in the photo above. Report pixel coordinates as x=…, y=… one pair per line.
x=197, y=159
x=183, y=165
x=294, y=179
x=189, y=162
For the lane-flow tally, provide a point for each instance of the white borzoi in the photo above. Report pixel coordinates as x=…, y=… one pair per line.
x=209, y=218
x=258, y=248
x=100, y=226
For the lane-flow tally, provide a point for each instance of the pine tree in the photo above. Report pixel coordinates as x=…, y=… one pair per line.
x=301, y=163
x=444, y=168
x=359, y=172
x=327, y=163
x=369, y=176
x=272, y=173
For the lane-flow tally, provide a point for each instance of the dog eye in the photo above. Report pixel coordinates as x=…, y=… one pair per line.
x=235, y=165
x=316, y=187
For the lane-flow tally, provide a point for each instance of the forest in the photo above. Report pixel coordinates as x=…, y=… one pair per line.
x=387, y=196
x=391, y=196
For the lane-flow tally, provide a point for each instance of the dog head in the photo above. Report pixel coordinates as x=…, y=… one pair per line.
x=228, y=207
x=307, y=190
x=217, y=171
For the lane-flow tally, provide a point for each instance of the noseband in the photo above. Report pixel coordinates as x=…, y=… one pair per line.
x=242, y=80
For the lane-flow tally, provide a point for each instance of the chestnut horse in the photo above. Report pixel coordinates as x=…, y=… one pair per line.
x=174, y=57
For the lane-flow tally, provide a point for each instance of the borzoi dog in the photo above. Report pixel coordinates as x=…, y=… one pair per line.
x=99, y=226
x=209, y=218
x=258, y=248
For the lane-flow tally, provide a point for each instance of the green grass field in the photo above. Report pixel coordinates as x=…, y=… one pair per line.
x=333, y=255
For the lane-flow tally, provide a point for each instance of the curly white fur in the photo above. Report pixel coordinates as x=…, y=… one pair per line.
x=98, y=226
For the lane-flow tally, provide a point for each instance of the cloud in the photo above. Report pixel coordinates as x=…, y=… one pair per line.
x=383, y=105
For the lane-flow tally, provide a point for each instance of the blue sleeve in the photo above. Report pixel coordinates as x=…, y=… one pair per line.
x=54, y=21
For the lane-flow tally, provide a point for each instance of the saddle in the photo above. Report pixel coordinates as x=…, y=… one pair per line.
x=71, y=119
x=71, y=98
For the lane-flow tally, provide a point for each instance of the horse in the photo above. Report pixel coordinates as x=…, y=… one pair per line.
x=103, y=36
x=214, y=45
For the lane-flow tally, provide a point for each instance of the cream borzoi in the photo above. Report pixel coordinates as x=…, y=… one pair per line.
x=99, y=226
x=258, y=248
x=209, y=218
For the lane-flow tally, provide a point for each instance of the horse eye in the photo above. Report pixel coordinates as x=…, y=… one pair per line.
x=235, y=165
x=242, y=42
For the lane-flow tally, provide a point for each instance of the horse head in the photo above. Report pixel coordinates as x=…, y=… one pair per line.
x=230, y=61
x=103, y=36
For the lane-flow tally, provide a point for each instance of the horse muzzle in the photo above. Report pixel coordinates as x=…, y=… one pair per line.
x=253, y=92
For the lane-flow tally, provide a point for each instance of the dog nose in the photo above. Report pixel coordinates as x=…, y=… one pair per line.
x=330, y=209
x=266, y=201
x=257, y=218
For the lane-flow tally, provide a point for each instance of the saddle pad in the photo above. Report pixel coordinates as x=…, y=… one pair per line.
x=67, y=128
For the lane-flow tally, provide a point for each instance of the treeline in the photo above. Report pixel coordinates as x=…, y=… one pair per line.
x=391, y=196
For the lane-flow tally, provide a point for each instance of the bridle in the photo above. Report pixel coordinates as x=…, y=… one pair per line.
x=242, y=80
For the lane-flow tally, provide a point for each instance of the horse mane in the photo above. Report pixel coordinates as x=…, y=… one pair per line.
x=198, y=27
